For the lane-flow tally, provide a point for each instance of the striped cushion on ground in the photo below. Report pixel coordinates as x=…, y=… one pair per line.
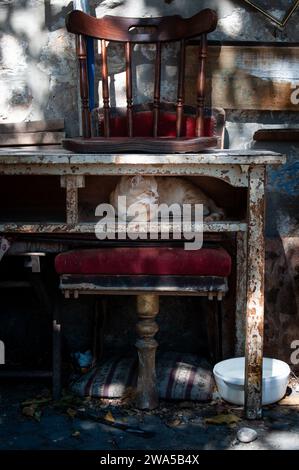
x=179, y=377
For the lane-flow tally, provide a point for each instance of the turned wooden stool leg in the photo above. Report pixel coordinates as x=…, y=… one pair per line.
x=147, y=309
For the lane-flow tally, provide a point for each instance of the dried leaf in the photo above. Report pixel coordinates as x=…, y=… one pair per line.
x=29, y=411
x=32, y=412
x=109, y=417
x=36, y=401
x=223, y=419
x=129, y=395
x=186, y=404
x=68, y=401
x=174, y=424
x=71, y=412
x=37, y=415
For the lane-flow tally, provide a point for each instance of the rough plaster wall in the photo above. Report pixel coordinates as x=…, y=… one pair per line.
x=38, y=80
x=37, y=68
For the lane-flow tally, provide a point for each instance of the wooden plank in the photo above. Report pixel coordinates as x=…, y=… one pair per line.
x=31, y=138
x=277, y=135
x=32, y=126
x=59, y=155
x=246, y=77
x=55, y=228
x=8, y=374
x=14, y=284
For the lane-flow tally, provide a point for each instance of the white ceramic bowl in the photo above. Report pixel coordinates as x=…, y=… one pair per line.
x=230, y=378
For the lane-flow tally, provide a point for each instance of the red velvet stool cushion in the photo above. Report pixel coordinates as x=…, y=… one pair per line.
x=143, y=125
x=149, y=260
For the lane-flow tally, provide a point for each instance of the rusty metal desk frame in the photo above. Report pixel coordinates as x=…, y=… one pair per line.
x=246, y=169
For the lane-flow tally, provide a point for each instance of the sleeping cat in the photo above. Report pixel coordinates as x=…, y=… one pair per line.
x=143, y=191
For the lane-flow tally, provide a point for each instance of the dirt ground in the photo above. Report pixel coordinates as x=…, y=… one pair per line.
x=30, y=420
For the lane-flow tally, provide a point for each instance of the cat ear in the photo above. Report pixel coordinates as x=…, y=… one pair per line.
x=136, y=180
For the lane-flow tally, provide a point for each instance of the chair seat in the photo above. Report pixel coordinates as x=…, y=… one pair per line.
x=139, y=144
x=142, y=139
x=143, y=122
x=145, y=261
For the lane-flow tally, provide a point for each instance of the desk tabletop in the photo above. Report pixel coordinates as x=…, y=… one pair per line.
x=57, y=155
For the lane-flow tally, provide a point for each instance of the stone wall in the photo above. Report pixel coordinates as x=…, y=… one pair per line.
x=38, y=79
x=37, y=68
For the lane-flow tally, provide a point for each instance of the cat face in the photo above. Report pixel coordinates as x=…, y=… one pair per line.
x=139, y=185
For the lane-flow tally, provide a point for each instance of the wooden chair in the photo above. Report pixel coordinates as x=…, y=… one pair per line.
x=162, y=130
x=153, y=270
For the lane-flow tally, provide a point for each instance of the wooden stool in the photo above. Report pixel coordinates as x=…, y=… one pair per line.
x=146, y=273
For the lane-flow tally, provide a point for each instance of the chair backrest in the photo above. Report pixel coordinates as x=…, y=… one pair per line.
x=130, y=31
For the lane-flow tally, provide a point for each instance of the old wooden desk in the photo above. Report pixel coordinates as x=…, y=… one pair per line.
x=242, y=169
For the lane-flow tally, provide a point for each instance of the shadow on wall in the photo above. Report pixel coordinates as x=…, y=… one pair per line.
x=38, y=70
x=38, y=67
x=55, y=18
x=234, y=76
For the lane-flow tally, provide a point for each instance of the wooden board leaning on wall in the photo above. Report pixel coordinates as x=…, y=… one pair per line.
x=44, y=132
x=253, y=77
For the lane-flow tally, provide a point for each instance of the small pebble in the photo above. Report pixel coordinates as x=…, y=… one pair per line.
x=246, y=435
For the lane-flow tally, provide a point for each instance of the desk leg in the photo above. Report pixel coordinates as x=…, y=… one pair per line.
x=241, y=292
x=255, y=293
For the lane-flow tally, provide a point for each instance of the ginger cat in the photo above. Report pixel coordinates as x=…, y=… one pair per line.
x=143, y=191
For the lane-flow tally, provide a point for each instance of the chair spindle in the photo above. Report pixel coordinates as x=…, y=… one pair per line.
x=157, y=89
x=181, y=88
x=129, y=92
x=201, y=82
x=105, y=87
x=83, y=77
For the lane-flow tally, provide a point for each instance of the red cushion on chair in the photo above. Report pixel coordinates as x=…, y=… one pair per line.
x=143, y=125
x=151, y=261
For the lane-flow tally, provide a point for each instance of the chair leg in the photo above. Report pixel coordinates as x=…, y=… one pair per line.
x=217, y=315
x=56, y=351
x=95, y=345
x=99, y=324
x=147, y=309
x=41, y=291
x=214, y=313
x=219, y=322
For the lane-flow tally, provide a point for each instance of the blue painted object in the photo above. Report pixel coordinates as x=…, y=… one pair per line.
x=91, y=72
